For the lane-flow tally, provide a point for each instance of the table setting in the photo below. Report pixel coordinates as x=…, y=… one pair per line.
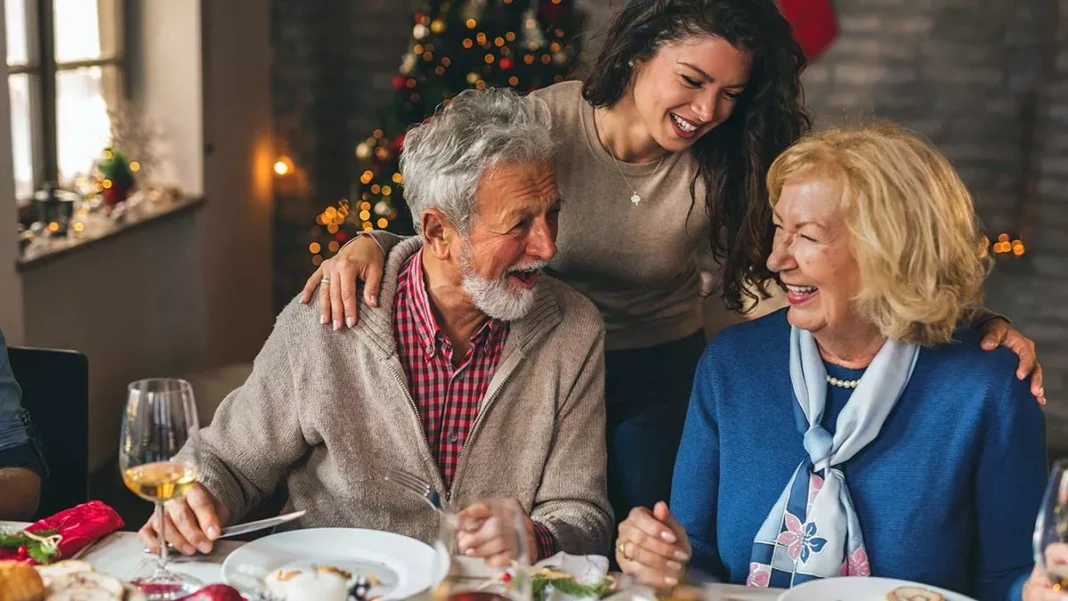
x=83, y=553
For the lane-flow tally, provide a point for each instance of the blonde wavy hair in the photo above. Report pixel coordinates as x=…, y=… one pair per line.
x=912, y=223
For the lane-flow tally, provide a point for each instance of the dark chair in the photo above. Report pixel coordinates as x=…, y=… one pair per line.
x=55, y=392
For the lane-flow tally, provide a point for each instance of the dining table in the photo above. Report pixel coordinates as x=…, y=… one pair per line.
x=122, y=555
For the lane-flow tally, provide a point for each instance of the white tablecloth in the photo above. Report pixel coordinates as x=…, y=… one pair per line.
x=122, y=555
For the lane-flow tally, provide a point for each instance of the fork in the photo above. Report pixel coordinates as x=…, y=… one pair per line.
x=417, y=485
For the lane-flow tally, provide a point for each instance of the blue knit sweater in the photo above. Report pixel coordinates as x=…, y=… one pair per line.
x=947, y=494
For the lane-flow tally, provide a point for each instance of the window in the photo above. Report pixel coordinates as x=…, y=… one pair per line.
x=65, y=64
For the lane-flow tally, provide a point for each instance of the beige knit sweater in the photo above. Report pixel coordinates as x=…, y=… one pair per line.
x=328, y=413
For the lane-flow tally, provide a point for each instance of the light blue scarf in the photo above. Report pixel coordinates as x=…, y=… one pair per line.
x=812, y=531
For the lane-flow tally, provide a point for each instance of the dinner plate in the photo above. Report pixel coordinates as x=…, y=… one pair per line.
x=857, y=588
x=400, y=566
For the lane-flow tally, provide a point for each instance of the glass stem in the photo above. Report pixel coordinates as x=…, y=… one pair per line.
x=162, y=536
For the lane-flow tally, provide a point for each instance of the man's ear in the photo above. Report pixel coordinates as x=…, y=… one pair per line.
x=438, y=233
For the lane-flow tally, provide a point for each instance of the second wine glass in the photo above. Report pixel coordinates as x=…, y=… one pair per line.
x=159, y=460
x=464, y=578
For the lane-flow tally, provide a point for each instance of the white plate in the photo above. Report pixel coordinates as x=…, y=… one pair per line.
x=404, y=565
x=857, y=588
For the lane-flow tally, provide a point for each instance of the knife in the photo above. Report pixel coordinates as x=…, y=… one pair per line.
x=247, y=527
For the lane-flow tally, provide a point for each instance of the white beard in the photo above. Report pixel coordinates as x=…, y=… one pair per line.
x=494, y=297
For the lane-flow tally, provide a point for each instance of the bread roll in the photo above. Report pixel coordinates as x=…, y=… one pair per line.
x=20, y=582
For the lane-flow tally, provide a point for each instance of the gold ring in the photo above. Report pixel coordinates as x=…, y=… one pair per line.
x=622, y=548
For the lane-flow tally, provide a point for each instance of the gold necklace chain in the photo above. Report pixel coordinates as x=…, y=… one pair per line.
x=635, y=198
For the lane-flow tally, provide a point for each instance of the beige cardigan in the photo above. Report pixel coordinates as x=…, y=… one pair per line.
x=328, y=413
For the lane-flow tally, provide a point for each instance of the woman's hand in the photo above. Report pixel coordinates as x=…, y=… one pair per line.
x=652, y=546
x=362, y=259
x=998, y=332
x=1038, y=587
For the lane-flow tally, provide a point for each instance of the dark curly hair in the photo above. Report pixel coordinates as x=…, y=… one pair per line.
x=734, y=158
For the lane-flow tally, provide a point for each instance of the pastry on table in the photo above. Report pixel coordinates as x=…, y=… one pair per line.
x=20, y=582
x=62, y=568
x=74, y=580
x=913, y=593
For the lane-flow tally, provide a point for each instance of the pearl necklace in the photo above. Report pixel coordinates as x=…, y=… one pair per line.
x=842, y=383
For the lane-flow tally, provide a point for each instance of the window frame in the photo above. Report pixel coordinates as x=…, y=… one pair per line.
x=42, y=69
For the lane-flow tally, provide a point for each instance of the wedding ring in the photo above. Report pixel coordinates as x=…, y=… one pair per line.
x=622, y=548
x=326, y=280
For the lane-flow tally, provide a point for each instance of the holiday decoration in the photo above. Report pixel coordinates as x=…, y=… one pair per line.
x=814, y=24
x=60, y=535
x=455, y=45
x=115, y=176
x=133, y=135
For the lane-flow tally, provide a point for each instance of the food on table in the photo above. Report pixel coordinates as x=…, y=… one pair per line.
x=913, y=593
x=215, y=592
x=308, y=585
x=20, y=582
x=63, y=568
x=335, y=570
x=320, y=583
x=74, y=580
x=91, y=580
x=547, y=579
x=82, y=594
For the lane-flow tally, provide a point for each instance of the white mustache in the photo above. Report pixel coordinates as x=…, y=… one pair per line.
x=536, y=266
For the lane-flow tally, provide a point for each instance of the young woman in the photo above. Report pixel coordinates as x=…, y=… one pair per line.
x=662, y=154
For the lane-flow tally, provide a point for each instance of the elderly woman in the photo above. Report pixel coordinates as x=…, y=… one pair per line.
x=857, y=431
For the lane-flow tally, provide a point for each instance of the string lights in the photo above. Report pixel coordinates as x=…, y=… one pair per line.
x=283, y=165
x=1007, y=247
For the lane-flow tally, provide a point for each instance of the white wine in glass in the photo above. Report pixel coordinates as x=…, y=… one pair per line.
x=160, y=481
x=159, y=460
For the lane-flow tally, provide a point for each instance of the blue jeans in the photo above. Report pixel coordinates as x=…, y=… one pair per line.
x=647, y=391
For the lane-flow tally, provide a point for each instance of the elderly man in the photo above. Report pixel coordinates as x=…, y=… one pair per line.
x=476, y=372
x=21, y=465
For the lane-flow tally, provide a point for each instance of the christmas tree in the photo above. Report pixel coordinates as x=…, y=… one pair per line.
x=455, y=45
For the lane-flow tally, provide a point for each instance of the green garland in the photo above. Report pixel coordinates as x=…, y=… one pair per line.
x=40, y=550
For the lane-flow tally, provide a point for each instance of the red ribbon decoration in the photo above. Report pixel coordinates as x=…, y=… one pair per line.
x=79, y=526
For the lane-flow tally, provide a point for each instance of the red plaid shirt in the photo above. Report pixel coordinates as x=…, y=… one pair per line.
x=448, y=398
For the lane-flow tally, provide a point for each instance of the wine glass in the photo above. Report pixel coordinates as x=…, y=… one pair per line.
x=1051, y=528
x=471, y=579
x=159, y=459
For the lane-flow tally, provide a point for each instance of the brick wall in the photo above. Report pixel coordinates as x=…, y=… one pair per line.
x=333, y=65
x=975, y=77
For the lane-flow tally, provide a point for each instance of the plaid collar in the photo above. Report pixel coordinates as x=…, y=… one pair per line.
x=431, y=338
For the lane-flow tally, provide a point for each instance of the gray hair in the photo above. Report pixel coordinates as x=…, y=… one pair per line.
x=445, y=157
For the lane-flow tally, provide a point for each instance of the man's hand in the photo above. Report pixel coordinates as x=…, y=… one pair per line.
x=492, y=531
x=194, y=522
x=1038, y=587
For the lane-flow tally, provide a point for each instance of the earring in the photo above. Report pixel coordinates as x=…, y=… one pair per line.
x=630, y=63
